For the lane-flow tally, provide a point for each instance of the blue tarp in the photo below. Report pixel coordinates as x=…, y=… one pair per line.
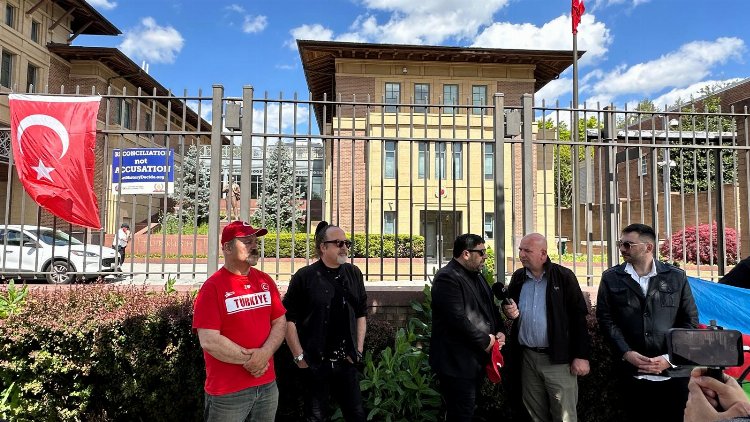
x=728, y=305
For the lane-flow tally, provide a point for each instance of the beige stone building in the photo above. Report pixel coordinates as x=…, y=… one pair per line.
x=410, y=137
x=37, y=56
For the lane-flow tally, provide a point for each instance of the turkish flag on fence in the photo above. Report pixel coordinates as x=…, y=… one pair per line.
x=53, y=140
x=576, y=12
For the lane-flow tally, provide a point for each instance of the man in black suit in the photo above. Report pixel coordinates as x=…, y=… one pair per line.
x=465, y=325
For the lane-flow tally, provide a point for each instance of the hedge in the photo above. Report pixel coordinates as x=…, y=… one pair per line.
x=368, y=246
x=103, y=353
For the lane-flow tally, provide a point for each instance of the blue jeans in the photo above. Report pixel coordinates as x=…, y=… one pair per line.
x=254, y=404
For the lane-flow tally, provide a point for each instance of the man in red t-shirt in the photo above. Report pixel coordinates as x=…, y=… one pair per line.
x=240, y=322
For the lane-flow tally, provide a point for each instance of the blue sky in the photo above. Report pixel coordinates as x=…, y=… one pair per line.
x=657, y=49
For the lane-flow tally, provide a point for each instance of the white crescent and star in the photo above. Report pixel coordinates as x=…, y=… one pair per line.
x=42, y=171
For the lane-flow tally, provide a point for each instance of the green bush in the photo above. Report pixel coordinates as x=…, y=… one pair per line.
x=399, y=385
x=407, y=247
x=101, y=353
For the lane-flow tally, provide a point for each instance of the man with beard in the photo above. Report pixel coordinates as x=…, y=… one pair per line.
x=327, y=307
x=638, y=302
x=465, y=326
x=240, y=322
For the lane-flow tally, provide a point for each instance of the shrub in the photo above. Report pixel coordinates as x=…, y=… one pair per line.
x=96, y=352
x=704, y=238
x=399, y=385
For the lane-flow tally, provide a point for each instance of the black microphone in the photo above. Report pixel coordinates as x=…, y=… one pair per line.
x=501, y=293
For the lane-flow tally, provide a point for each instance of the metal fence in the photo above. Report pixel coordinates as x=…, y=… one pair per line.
x=404, y=179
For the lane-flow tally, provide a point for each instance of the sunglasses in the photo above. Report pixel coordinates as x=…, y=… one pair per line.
x=481, y=252
x=626, y=244
x=340, y=243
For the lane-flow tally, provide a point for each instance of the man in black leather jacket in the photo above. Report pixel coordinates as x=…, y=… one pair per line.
x=638, y=302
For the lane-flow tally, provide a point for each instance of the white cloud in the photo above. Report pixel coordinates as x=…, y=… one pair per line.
x=205, y=109
x=689, y=64
x=287, y=111
x=235, y=8
x=410, y=22
x=551, y=92
x=286, y=66
x=153, y=43
x=309, y=32
x=593, y=37
x=254, y=24
x=670, y=98
x=103, y=4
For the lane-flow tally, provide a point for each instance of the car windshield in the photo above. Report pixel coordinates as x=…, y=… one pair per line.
x=59, y=238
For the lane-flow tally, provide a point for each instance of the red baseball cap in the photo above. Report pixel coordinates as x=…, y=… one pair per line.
x=240, y=229
x=496, y=362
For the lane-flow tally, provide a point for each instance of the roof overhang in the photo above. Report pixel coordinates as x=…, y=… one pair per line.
x=86, y=20
x=318, y=60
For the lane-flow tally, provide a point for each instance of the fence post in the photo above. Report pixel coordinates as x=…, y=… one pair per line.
x=215, y=179
x=499, y=126
x=612, y=215
x=247, y=151
x=527, y=166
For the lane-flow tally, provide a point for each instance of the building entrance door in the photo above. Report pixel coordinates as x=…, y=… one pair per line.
x=439, y=229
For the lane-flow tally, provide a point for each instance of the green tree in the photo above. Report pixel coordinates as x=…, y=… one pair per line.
x=696, y=168
x=279, y=207
x=563, y=156
x=191, y=190
x=643, y=112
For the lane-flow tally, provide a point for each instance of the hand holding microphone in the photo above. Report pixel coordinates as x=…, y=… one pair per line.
x=510, y=309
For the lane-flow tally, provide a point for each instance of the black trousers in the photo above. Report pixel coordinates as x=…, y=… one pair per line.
x=654, y=401
x=339, y=380
x=459, y=396
x=121, y=253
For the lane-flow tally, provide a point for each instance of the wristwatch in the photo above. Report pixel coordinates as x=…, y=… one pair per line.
x=299, y=358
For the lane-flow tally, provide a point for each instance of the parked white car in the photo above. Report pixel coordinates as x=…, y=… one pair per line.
x=27, y=250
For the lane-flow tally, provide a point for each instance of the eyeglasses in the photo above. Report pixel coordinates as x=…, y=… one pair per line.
x=626, y=244
x=481, y=252
x=340, y=243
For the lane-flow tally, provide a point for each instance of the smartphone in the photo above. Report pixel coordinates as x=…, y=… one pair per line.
x=705, y=347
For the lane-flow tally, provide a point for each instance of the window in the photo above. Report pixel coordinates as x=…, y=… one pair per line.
x=489, y=162
x=255, y=186
x=10, y=15
x=458, y=173
x=122, y=113
x=6, y=69
x=32, y=78
x=450, y=97
x=389, y=222
x=489, y=225
x=421, y=96
x=36, y=31
x=423, y=164
x=440, y=160
x=478, y=98
x=643, y=168
x=392, y=96
x=389, y=164
x=301, y=184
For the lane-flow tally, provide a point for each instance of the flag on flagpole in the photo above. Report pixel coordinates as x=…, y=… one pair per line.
x=53, y=139
x=576, y=12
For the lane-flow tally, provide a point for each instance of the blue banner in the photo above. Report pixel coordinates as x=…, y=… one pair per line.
x=728, y=305
x=143, y=171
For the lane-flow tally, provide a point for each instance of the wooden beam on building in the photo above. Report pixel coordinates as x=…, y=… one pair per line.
x=65, y=15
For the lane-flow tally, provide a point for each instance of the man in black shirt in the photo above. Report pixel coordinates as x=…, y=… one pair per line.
x=326, y=307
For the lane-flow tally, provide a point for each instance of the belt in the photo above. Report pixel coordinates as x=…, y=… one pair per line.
x=544, y=350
